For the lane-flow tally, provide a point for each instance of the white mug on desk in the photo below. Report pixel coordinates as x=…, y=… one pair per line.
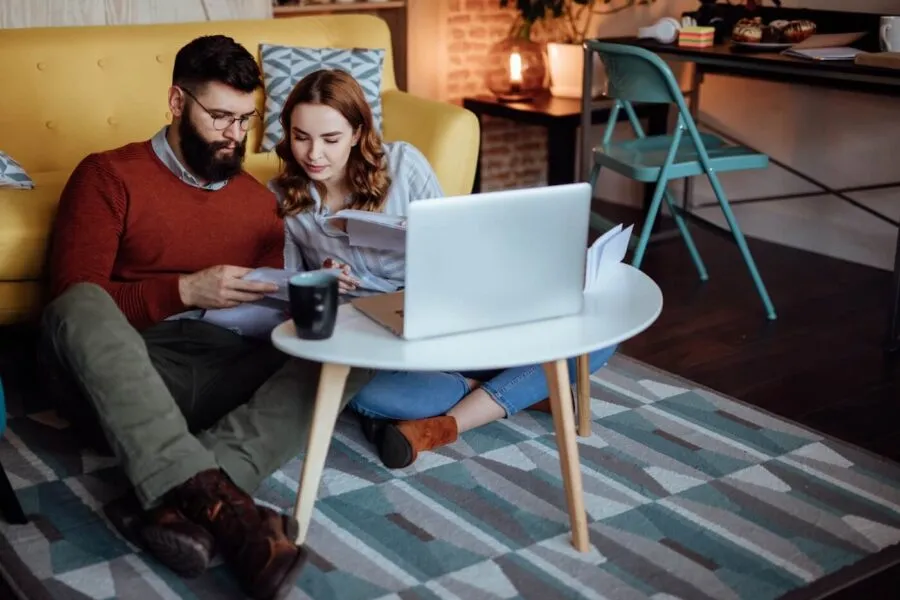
x=890, y=34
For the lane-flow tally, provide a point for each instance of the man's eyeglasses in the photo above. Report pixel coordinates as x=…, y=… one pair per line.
x=221, y=122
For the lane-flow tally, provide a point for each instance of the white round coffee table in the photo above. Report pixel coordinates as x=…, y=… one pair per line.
x=627, y=302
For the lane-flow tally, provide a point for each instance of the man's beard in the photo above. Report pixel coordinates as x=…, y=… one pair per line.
x=201, y=156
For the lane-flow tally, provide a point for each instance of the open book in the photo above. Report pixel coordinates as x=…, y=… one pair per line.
x=610, y=248
x=373, y=229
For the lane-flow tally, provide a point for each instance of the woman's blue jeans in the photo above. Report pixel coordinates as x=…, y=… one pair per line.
x=410, y=395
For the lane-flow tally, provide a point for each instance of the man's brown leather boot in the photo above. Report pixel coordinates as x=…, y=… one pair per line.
x=177, y=542
x=253, y=543
x=542, y=406
x=187, y=548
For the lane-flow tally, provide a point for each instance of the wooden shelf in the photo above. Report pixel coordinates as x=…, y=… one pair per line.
x=330, y=7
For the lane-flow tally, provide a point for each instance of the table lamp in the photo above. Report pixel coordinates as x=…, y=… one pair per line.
x=518, y=70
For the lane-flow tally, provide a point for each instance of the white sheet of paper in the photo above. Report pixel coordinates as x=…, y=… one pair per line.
x=367, y=216
x=374, y=235
x=593, y=256
x=608, y=249
x=615, y=250
x=254, y=319
x=279, y=277
x=373, y=229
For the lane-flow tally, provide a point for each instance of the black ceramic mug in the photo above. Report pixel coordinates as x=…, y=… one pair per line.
x=314, y=303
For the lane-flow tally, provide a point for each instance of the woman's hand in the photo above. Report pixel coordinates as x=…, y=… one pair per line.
x=346, y=281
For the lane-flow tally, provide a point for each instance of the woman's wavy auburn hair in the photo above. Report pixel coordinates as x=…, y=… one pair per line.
x=366, y=168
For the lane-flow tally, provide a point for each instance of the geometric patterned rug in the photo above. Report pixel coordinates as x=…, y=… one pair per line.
x=689, y=495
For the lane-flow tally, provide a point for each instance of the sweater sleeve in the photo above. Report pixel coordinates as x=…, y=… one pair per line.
x=88, y=228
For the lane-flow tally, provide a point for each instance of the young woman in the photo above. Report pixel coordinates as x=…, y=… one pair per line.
x=332, y=158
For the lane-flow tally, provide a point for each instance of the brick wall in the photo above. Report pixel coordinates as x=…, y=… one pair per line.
x=512, y=155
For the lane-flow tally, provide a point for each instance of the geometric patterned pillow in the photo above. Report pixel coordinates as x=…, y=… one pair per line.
x=284, y=66
x=12, y=175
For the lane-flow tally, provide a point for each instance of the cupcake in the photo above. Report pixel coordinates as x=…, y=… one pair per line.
x=748, y=30
x=797, y=31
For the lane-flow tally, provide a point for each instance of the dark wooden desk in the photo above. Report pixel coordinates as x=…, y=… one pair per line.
x=845, y=75
x=561, y=117
x=773, y=66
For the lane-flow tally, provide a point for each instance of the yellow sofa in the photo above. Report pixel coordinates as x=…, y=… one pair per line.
x=69, y=91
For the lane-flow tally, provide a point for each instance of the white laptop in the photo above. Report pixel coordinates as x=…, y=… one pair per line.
x=489, y=260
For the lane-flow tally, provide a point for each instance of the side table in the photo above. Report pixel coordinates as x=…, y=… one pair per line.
x=629, y=303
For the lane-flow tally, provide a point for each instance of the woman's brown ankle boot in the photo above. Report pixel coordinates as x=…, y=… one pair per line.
x=401, y=442
x=542, y=406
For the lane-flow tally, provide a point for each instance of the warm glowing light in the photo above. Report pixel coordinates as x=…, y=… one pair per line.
x=515, y=68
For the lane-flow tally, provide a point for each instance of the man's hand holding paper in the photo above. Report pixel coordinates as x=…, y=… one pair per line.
x=223, y=286
x=258, y=317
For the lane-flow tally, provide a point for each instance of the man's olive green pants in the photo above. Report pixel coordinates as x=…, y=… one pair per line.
x=180, y=397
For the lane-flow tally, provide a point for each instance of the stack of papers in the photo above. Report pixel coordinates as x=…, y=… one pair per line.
x=279, y=277
x=372, y=229
x=840, y=53
x=609, y=249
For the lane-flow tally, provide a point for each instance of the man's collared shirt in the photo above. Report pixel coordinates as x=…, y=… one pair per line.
x=165, y=153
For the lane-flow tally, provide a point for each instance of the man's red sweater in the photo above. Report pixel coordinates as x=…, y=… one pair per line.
x=128, y=224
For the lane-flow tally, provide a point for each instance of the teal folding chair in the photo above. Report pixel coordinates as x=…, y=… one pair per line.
x=638, y=75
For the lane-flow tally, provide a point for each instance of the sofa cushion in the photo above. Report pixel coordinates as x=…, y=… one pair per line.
x=263, y=166
x=20, y=301
x=12, y=175
x=284, y=66
x=26, y=217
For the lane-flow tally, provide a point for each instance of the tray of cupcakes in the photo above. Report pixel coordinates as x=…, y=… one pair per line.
x=753, y=34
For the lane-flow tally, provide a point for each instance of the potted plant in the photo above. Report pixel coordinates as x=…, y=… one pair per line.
x=566, y=25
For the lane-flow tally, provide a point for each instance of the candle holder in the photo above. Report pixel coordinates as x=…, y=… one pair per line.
x=517, y=70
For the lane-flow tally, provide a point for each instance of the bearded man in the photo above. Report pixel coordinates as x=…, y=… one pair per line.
x=147, y=237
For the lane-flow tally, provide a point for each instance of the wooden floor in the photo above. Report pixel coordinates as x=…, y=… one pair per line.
x=820, y=364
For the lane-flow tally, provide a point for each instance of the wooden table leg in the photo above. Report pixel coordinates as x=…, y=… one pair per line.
x=325, y=413
x=564, y=425
x=562, y=145
x=583, y=372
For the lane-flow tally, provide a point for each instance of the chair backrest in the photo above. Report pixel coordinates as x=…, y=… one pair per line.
x=635, y=74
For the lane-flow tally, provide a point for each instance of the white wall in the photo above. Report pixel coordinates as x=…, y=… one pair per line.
x=44, y=13
x=887, y=6
x=841, y=138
